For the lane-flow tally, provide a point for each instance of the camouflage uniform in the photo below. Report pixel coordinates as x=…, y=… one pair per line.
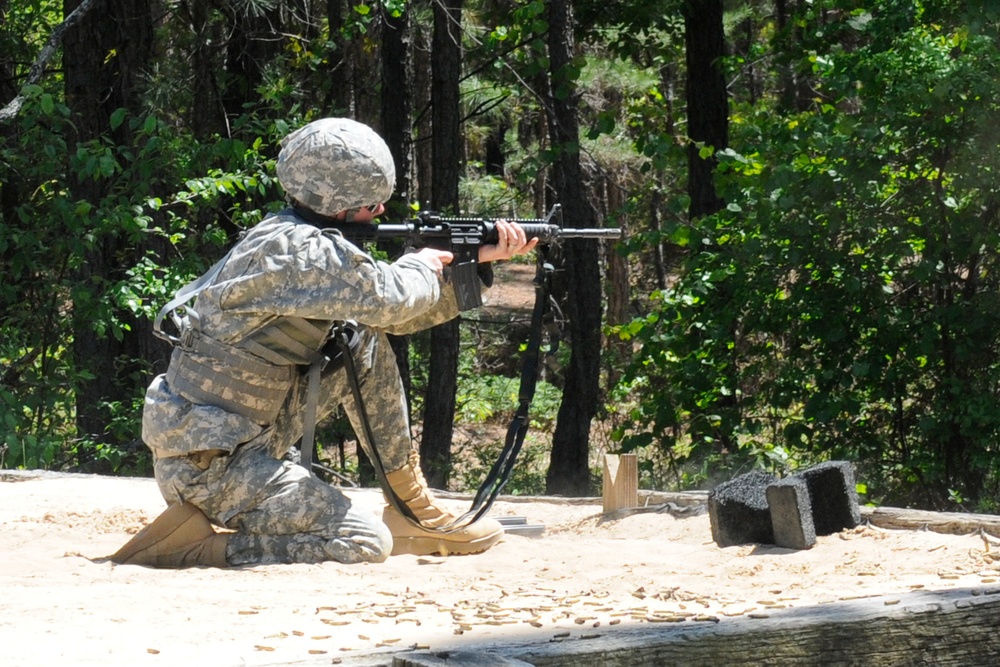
x=231, y=466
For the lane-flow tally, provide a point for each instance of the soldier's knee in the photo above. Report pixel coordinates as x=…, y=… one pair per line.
x=360, y=540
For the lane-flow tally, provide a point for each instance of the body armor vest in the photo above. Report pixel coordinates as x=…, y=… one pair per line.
x=252, y=378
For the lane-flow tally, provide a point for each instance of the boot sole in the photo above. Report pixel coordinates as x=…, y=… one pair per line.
x=428, y=546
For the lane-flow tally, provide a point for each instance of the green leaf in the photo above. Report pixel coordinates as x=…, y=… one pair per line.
x=117, y=118
x=681, y=236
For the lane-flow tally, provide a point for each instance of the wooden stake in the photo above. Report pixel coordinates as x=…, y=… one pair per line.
x=621, y=482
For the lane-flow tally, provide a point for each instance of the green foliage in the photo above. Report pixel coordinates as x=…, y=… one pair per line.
x=160, y=191
x=494, y=398
x=477, y=458
x=844, y=304
x=35, y=366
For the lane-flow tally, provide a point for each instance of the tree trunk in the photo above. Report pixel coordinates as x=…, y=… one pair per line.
x=9, y=87
x=707, y=103
x=340, y=99
x=708, y=126
x=665, y=252
x=207, y=114
x=569, y=468
x=439, y=411
x=786, y=72
x=253, y=43
x=105, y=58
x=496, y=158
x=396, y=113
x=397, y=100
x=423, y=159
x=617, y=290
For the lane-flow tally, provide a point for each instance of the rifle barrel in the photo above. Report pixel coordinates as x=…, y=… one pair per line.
x=548, y=232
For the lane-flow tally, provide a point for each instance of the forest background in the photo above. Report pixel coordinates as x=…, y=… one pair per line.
x=808, y=191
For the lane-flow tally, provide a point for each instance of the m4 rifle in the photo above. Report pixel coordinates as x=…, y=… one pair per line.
x=463, y=236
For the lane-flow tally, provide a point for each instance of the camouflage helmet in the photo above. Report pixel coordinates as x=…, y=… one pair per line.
x=335, y=164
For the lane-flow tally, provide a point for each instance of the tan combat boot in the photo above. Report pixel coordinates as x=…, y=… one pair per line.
x=180, y=537
x=409, y=484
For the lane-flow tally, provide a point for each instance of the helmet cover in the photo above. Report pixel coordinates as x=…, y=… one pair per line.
x=335, y=164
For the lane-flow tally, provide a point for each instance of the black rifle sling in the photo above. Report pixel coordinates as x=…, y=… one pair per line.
x=367, y=438
x=501, y=470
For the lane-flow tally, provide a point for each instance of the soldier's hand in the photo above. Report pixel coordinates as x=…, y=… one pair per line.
x=434, y=258
x=511, y=242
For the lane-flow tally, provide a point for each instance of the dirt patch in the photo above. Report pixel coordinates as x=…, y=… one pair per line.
x=117, y=521
x=513, y=290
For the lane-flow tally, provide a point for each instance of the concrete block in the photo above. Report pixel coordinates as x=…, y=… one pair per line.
x=834, y=496
x=791, y=513
x=738, y=510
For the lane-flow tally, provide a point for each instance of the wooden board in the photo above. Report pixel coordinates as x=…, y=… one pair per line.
x=949, y=628
x=950, y=523
x=621, y=482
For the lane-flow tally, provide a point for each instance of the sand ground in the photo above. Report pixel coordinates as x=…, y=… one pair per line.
x=587, y=575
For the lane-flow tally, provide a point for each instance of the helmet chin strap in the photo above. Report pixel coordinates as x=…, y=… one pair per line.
x=314, y=218
x=366, y=213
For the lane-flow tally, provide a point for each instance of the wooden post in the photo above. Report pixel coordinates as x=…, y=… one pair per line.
x=621, y=482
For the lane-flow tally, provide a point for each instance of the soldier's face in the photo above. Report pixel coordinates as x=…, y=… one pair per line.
x=364, y=214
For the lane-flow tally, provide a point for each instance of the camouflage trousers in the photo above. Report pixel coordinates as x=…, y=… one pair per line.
x=281, y=513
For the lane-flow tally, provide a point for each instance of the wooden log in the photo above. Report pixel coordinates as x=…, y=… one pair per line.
x=455, y=659
x=951, y=523
x=951, y=628
x=621, y=482
x=943, y=628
